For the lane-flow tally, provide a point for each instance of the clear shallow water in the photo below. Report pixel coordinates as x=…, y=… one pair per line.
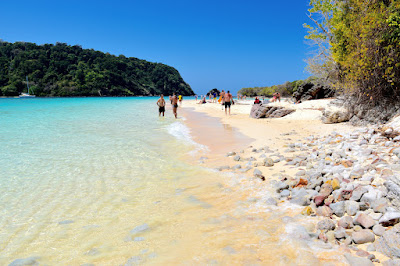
x=102, y=181
x=77, y=162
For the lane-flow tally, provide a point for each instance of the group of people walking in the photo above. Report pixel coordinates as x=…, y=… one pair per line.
x=174, y=102
x=226, y=100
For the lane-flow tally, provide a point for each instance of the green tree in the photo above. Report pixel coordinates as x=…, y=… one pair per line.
x=367, y=46
x=321, y=64
x=63, y=70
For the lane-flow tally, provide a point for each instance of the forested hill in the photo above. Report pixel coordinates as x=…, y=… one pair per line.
x=64, y=70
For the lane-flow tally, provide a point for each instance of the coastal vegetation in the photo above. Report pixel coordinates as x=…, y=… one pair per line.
x=286, y=89
x=356, y=52
x=357, y=48
x=300, y=90
x=65, y=70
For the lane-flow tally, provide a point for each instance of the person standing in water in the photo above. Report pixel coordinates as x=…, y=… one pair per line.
x=174, y=101
x=227, y=101
x=161, y=105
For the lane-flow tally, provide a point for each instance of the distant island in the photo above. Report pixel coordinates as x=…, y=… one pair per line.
x=62, y=70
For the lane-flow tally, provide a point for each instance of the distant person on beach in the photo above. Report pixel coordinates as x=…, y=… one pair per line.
x=174, y=101
x=195, y=97
x=180, y=99
x=161, y=105
x=170, y=99
x=273, y=97
x=202, y=101
x=276, y=97
x=227, y=101
x=257, y=101
x=221, y=95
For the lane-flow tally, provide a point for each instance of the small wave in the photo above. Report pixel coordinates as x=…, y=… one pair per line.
x=182, y=132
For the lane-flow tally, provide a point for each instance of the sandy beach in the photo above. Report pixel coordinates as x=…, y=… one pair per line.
x=275, y=133
x=245, y=137
x=203, y=189
x=305, y=121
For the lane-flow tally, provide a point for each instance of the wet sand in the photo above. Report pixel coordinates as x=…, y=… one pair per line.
x=240, y=131
x=282, y=244
x=304, y=122
x=220, y=137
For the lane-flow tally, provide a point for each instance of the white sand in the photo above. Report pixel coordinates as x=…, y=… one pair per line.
x=306, y=120
x=276, y=133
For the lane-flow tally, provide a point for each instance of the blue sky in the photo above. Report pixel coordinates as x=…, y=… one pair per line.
x=213, y=44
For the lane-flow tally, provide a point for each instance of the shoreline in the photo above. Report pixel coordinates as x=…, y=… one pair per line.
x=307, y=123
x=275, y=133
x=285, y=140
x=92, y=96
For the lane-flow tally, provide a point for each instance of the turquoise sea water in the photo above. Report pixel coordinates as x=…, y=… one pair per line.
x=105, y=181
x=70, y=165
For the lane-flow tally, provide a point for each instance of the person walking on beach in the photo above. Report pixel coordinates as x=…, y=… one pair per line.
x=174, y=101
x=222, y=94
x=161, y=105
x=227, y=101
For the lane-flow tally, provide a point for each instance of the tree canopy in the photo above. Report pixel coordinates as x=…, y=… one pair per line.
x=285, y=89
x=362, y=41
x=65, y=70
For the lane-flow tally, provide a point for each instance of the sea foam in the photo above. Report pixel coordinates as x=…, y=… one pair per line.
x=182, y=133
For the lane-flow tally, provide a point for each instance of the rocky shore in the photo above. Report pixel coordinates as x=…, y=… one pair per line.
x=351, y=181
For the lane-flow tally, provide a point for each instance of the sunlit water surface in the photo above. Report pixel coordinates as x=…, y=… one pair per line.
x=102, y=181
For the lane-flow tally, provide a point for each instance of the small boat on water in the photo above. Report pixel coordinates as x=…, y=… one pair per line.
x=24, y=94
